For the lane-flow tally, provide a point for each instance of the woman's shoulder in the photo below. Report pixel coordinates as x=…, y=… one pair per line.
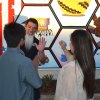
x=69, y=65
x=72, y=65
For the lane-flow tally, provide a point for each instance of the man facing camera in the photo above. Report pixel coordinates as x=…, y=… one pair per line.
x=18, y=75
x=34, y=48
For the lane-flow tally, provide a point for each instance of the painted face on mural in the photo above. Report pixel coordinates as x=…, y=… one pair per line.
x=31, y=28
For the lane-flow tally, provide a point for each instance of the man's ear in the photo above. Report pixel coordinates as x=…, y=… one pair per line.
x=25, y=25
x=22, y=41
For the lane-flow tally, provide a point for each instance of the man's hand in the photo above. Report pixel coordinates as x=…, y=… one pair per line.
x=97, y=31
x=94, y=17
x=41, y=44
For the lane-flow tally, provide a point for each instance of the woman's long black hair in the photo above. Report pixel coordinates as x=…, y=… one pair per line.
x=83, y=52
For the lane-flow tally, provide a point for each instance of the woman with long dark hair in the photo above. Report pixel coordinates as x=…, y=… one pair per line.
x=77, y=78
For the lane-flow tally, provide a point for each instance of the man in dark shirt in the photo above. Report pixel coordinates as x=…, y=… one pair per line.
x=34, y=48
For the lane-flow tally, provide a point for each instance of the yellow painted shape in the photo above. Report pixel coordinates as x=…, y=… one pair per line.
x=73, y=7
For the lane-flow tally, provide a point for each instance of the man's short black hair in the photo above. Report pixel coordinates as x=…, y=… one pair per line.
x=13, y=32
x=33, y=20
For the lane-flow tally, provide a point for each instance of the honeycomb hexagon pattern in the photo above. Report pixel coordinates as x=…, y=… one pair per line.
x=57, y=20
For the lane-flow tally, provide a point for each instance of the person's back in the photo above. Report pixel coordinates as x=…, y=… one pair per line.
x=76, y=79
x=18, y=76
x=70, y=83
x=13, y=74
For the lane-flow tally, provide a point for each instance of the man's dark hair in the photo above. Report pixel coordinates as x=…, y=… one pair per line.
x=13, y=32
x=33, y=20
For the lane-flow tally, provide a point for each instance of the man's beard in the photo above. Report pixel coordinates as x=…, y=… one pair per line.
x=28, y=41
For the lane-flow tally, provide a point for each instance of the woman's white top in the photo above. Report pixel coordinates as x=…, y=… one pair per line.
x=70, y=83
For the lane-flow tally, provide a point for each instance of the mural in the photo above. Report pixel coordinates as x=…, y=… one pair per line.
x=64, y=35
x=47, y=21
x=57, y=20
x=73, y=12
x=94, y=29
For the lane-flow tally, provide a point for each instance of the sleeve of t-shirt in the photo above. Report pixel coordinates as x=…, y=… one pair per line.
x=31, y=76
